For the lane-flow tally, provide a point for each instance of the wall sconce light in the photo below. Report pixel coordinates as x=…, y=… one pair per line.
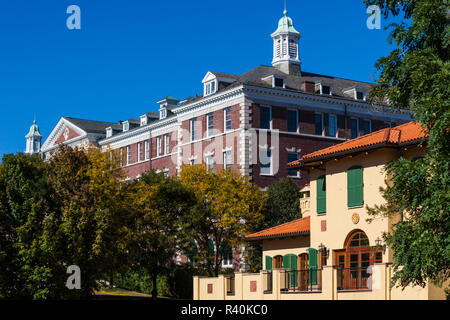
x=324, y=250
x=378, y=242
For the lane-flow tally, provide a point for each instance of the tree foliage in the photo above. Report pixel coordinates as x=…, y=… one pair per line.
x=227, y=209
x=416, y=75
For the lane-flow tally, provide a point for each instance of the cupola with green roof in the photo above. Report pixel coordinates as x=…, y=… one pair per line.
x=285, y=46
x=34, y=139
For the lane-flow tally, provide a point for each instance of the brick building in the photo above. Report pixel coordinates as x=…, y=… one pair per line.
x=254, y=123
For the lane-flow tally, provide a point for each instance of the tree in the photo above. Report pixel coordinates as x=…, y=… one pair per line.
x=283, y=203
x=416, y=75
x=159, y=204
x=228, y=206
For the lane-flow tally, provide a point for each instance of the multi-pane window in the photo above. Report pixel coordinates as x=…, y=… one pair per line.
x=128, y=154
x=292, y=120
x=367, y=126
x=318, y=121
x=359, y=95
x=265, y=156
x=354, y=128
x=210, y=124
x=139, y=155
x=321, y=195
x=227, y=160
x=326, y=90
x=147, y=149
x=227, y=258
x=210, y=163
x=158, y=146
x=227, y=119
x=265, y=117
x=293, y=156
x=355, y=186
x=193, y=129
x=166, y=143
x=332, y=125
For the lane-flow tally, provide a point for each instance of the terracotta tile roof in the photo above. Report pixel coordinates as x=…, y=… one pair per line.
x=403, y=134
x=292, y=228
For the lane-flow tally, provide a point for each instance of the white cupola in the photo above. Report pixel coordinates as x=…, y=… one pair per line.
x=34, y=139
x=285, y=46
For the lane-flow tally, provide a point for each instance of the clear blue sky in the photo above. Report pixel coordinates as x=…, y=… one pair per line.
x=130, y=53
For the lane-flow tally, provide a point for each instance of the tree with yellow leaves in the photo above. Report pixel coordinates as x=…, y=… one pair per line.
x=227, y=208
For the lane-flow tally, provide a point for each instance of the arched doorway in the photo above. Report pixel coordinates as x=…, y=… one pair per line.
x=353, y=261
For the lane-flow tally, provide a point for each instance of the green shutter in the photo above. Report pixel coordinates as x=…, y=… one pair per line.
x=293, y=262
x=268, y=263
x=312, y=266
x=286, y=262
x=321, y=195
x=355, y=196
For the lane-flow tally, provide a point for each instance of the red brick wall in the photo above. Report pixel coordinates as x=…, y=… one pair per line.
x=72, y=134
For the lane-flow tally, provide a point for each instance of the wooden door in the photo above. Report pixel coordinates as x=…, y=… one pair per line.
x=303, y=267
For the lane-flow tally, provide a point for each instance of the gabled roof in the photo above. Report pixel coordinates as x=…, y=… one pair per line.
x=408, y=133
x=297, y=227
x=90, y=126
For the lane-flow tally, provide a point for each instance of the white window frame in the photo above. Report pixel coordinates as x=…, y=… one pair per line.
x=163, y=113
x=225, y=119
x=225, y=159
x=208, y=87
x=166, y=143
x=335, y=124
x=158, y=146
x=126, y=126
x=209, y=160
x=192, y=127
x=128, y=154
x=146, y=150
x=227, y=263
x=209, y=134
x=139, y=153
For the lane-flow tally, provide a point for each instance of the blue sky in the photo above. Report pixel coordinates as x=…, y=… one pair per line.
x=128, y=54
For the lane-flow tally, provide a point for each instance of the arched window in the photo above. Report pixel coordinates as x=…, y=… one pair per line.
x=355, y=186
x=278, y=262
x=357, y=239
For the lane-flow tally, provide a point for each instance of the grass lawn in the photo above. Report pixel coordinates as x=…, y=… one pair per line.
x=124, y=292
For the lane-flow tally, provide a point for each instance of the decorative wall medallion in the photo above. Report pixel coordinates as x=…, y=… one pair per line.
x=355, y=218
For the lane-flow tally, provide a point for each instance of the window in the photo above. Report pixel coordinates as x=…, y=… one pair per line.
x=128, y=154
x=146, y=150
x=265, y=117
x=292, y=49
x=278, y=262
x=227, y=119
x=227, y=257
x=332, y=125
x=126, y=126
x=355, y=186
x=210, y=88
x=293, y=156
x=278, y=82
x=265, y=162
x=109, y=132
x=121, y=156
x=354, y=127
x=227, y=160
x=166, y=143
x=292, y=120
x=318, y=121
x=163, y=114
x=367, y=126
x=321, y=195
x=210, y=124
x=359, y=95
x=210, y=163
x=191, y=162
x=158, y=146
x=326, y=90
x=166, y=173
x=139, y=155
x=193, y=129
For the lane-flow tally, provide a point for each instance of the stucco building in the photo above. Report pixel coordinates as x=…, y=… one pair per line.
x=332, y=252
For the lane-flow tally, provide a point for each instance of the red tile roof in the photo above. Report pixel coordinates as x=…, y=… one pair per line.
x=288, y=229
x=404, y=134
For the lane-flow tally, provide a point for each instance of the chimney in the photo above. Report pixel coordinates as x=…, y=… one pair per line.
x=308, y=86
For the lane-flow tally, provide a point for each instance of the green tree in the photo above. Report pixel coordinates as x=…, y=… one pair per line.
x=159, y=205
x=228, y=206
x=416, y=75
x=283, y=203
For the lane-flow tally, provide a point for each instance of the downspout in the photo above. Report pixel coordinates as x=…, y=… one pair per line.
x=345, y=119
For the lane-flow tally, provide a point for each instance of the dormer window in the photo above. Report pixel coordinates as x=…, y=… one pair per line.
x=355, y=93
x=109, y=132
x=162, y=113
x=278, y=82
x=143, y=120
x=360, y=95
x=210, y=88
x=126, y=126
x=322, y=88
